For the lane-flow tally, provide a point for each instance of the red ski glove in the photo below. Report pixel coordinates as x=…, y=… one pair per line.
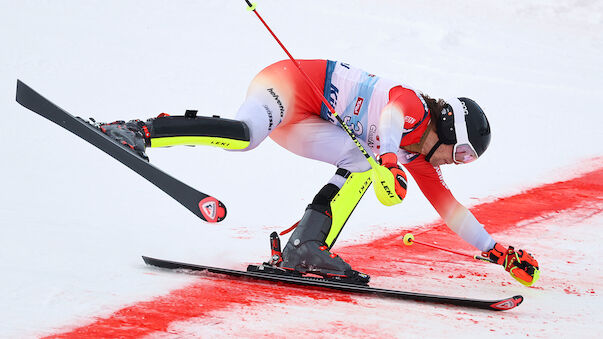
x=520, y=264
x=390, y=160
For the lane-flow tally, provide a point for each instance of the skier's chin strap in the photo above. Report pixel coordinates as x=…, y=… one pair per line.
x=433, y=150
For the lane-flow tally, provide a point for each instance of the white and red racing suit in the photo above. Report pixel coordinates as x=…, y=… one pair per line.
x=383, y=114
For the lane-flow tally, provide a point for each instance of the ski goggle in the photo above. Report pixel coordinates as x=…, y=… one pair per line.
x=464, y=153
x=452, y=130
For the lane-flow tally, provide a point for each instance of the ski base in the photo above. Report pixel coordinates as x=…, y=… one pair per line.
x=272, y=274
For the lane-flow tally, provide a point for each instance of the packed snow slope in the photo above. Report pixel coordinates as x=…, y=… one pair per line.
x=231, y=307
x=74, y=222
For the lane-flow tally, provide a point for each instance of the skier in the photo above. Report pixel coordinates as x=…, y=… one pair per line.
x=397, y=123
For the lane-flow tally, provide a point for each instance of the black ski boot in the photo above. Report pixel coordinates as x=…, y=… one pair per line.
x=133, y=134
x=306, y=251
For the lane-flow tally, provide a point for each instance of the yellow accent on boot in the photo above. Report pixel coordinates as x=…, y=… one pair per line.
x=343, y=204
x=199, y=140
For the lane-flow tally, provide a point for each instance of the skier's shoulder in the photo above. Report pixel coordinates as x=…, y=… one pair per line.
x=410, y=101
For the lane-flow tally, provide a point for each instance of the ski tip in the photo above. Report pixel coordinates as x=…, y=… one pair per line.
x=20, y=84
x=149, y=261
x=23, y=92
x=507, y=304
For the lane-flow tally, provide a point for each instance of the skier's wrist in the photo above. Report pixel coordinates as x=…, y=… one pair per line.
x=389, y=160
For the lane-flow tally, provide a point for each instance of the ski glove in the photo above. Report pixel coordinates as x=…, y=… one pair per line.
x=520, y=264
x=390, y=160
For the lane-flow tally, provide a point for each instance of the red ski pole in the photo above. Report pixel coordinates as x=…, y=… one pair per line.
x=409, y=239
x=382, y=177
x=317, y=92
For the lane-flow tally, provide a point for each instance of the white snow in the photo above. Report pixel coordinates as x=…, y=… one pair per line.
x=546, y=313
x=74, y=222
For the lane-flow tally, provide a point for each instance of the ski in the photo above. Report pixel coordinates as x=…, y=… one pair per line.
x=260, y=272
x=202, y=205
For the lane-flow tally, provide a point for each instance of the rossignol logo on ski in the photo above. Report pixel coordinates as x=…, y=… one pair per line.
x=507, y=304
x=209, y=208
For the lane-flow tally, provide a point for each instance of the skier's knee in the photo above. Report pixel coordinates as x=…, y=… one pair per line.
x=262, y=114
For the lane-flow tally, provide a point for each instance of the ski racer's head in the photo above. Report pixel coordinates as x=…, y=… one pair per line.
x=462, y=133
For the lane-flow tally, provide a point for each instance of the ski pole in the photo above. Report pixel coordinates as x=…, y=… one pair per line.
x=409, y=239
x=384, y=180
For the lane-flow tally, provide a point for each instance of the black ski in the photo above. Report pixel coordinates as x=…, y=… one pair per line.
x=493, y=305
x=202, y=205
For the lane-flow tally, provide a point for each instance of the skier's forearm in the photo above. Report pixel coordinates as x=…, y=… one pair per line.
x=464, y=223
x=458, y=218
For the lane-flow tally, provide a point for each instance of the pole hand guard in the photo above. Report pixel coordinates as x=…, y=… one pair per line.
x=384, y=184
x=389, y=161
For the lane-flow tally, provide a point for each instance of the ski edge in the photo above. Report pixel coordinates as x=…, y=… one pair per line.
x=492, y=305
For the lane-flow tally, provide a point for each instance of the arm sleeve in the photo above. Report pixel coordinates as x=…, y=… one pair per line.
x=391, y=126
x=458, y=218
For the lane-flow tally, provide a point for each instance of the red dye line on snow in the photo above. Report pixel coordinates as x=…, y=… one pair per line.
x=584, y=192
x=219, y=293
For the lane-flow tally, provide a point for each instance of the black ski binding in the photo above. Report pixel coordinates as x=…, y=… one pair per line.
x=272, y=266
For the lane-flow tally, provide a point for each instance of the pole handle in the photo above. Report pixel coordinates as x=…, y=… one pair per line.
x=251, y=6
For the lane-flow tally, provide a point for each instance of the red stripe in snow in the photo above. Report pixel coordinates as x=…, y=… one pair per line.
x=218, y=293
